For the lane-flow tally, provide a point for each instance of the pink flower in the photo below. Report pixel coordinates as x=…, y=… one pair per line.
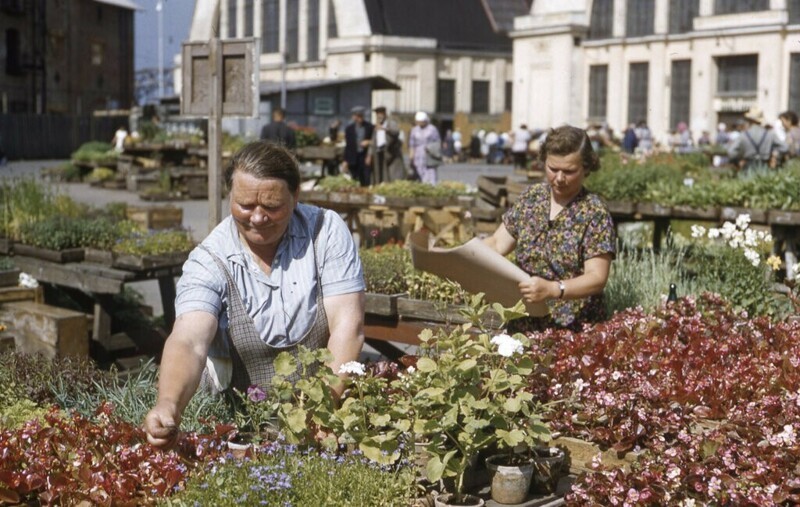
x=256, y=394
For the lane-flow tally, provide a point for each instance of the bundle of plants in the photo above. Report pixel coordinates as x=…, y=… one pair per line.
x=282, y=474
x=406, y=188
x=24, y=201
x=28, y=381
x=94, y=151
x=154, y=242
x=639, y=377
x=621, y=180
x=62, y=459
x=388, y=270
x=749, y=460
x=60, y=233
x=339, y=183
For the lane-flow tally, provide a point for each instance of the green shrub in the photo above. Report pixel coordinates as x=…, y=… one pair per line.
x=59, y=233
x=285, y=476
x=405, y=188
x=94, y=151
x=101, y=174
x=15, y=415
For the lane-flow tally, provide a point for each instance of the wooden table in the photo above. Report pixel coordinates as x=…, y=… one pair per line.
x=96, y=284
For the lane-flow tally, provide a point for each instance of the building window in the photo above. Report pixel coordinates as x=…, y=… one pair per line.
x=598, y=92
x=13, y=53
x=794, y=11
x=794, y=82
x=446, y=96
x=680, y=92
x=333, y=29
x=248, y=18
x=737, y=75
x=270, y=26
x=313, y=31
x=232, y=19
x=509, y=95
x=640, y=18
x=682, y=14
x=601, y=25
x=637, y=92
x=292, y=30
x=480, y=97
x=736, y=6
x=97, y=53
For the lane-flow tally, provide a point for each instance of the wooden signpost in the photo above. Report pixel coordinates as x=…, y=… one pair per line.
x=220, y=78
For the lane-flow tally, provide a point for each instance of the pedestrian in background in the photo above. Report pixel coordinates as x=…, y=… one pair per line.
x=385, y=154
x=277, y=131
x=519, y=146
x=754, y=147
x=789, y=121
x=425, y=147
x=357, y=137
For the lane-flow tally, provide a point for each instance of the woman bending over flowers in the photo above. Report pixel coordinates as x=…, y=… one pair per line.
x=562, y=236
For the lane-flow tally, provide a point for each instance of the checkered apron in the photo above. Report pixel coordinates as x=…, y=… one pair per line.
x=252, y=359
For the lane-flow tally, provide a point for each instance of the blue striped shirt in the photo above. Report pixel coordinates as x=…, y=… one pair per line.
x=282, y=304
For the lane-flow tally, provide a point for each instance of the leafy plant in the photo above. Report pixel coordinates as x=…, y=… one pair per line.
x=59, y=232
x=93, y=151
x=469, y=392
x=6, y=264
x=306, y=136
x=100, y=461
x=405, y=188
x=282, y=475
x=386, y=268
x=154, y=243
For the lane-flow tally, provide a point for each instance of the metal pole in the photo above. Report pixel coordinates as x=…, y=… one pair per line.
x=160, y=10
x=283, y=81
x=215, y=135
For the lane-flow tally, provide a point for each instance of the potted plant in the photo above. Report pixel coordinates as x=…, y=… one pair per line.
x=469, y=393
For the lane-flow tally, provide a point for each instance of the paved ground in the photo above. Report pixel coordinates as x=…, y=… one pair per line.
x=195, y=212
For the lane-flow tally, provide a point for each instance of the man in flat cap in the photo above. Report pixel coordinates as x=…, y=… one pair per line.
x=357, y=137
x=385, y=154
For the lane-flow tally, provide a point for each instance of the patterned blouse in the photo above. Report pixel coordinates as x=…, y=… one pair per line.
x=556, y=250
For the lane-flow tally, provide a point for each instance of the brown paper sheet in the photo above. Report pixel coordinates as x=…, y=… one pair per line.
x=476, y=267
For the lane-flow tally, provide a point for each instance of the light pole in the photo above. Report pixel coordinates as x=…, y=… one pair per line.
x=160, y=11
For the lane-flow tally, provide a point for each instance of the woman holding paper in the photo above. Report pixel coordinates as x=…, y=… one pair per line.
x=562, y=236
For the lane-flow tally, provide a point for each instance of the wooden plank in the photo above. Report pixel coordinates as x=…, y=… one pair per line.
x=707, y=213
x=389, y=329
x=61, y=256
x=9, y=277
x=86, y=277
x=381, y=304
x=778, y=217
x=650, y=209
x=17, y=293
x=731, y=213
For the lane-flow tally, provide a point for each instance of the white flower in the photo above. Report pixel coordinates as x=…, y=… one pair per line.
x=673, y=472
x=410, y=370
x=698, y=231
x=688, y=502
x=27, y=281
x=713, y=233
x=616, y=375
x=742, y=221
x=353, y=368
x=580, y=384
x=507, y=346
x=688, y=182
x=752, y=256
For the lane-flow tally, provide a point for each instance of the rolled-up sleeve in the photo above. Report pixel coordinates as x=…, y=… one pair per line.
x=201, y=287
x=341, y=266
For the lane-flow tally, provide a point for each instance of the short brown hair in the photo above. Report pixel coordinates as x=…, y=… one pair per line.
x=566, y=140
x=265, y=160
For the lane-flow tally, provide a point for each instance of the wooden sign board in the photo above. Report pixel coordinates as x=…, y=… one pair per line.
x=239, y=74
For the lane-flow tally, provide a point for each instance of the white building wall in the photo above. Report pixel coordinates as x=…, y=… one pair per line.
x=546, y=64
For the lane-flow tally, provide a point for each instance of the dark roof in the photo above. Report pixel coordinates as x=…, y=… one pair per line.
x=377, y=82
x=455, y=24
x=503, y=12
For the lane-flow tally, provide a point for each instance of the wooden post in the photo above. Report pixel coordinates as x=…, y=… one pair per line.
x=215, y=136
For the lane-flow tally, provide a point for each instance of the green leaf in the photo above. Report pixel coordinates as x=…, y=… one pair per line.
x=379, y=419
x=434, y=469
x=285, y=364
x=426, y=365
x=512, y=405
x=296, y=419
x=467, y=364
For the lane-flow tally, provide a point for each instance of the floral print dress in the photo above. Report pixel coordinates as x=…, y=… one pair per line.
x=556, y=250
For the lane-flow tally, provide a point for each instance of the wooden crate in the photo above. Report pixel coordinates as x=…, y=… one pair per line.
x=156, y=217
x=48, y=330
x=381, y=304
x=379, y=224
x=580, y=454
